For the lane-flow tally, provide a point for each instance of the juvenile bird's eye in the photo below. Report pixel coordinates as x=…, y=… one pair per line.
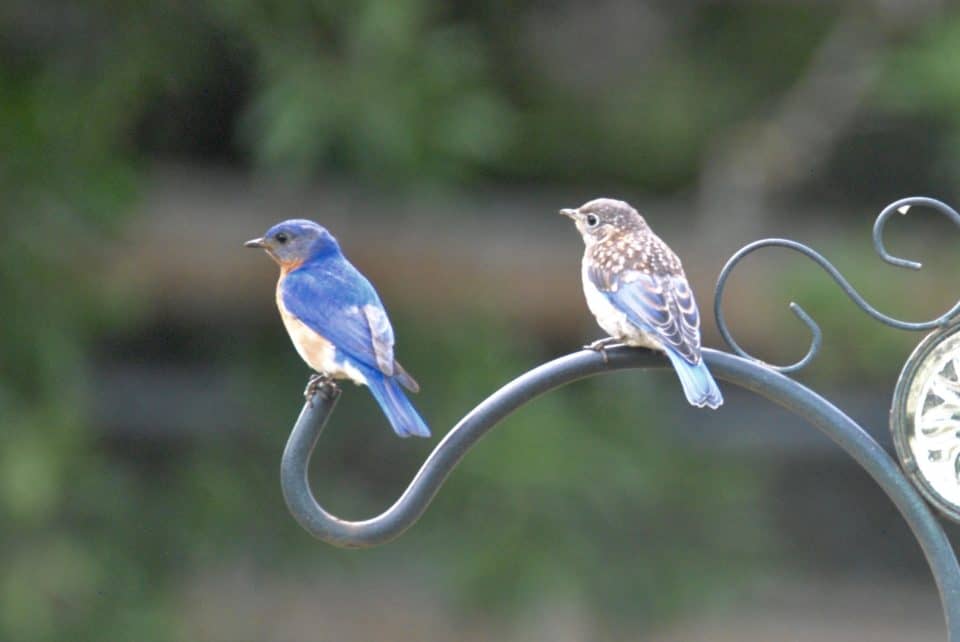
x=281, y=237
x=592, y=220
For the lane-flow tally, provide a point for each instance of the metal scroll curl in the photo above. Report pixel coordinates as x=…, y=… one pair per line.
x=901, y=206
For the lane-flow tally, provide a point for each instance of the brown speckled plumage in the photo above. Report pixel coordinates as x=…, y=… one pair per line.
x=636, y=289
x=622, y=250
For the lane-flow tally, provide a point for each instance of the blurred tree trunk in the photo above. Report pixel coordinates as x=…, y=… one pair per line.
x=766, y=156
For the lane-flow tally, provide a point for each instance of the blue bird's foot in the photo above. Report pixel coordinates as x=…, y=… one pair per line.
x=323, y=384
x=601, y=345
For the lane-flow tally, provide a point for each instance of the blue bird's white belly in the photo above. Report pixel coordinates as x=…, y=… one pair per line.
x=320, y=354
x=613, y=320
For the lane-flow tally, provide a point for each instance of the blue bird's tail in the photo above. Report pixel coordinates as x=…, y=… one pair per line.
x=395, y=405
x=698, y=383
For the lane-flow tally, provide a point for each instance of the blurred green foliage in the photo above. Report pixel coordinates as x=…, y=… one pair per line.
x=411, y=91
x=921, y=80
x=572, y=492
x=386, y=87
x=64, y=182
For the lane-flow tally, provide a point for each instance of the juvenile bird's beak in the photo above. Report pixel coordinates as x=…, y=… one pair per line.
x=255, y=243
x=571, y=213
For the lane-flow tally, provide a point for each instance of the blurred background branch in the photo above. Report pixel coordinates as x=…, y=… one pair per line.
x=755, y=163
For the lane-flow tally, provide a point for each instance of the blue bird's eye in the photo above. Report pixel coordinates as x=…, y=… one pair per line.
x=592, y=220
x=281, y=237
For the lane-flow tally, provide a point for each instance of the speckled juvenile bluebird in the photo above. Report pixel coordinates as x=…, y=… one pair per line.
x=636, y=288
x=336, y=320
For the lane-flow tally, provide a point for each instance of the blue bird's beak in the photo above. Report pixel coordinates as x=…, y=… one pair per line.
x=569, y=213
x=255, y=243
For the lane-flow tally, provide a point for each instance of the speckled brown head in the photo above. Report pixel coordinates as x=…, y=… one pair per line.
x=601, y=217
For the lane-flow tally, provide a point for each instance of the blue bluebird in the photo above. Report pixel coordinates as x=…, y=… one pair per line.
x=636, y=288
x=336, y=320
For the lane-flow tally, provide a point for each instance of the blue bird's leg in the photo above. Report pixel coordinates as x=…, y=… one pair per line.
x=323, y=384
x=601, y=345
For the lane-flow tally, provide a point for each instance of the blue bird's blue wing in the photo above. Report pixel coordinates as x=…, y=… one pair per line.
x=341, y=306
x=333, y=308
x=381, y=336
x=338, y=303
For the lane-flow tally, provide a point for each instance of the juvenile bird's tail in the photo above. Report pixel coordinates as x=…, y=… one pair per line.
x=698, y=383
x=395, y=405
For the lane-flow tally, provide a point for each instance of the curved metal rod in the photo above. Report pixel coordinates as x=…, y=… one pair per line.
x=742, y=372
x=902, y=206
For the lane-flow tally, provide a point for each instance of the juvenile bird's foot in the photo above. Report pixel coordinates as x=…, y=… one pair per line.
x=601, y=345
x=320, y=383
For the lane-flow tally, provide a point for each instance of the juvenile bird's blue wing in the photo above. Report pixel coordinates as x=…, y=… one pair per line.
x=661, y=304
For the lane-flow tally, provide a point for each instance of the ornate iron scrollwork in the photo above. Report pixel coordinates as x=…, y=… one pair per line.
x=902, y=207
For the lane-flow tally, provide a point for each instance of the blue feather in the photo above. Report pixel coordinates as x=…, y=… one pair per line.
x=632, y=278
x=400, y=412
x=336, y=320
x=663, y=308
x=337, y=302
x=329, y=295
x=698, y=384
